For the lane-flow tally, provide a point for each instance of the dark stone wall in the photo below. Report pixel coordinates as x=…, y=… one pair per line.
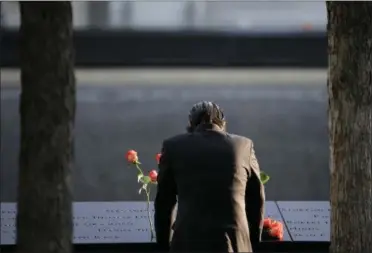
x=102, y=48
x=288, y=124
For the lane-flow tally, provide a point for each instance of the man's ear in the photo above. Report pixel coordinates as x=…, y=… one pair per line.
x=189, y=129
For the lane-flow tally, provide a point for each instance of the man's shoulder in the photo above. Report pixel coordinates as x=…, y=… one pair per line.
x=240, y=138
x=182, y=137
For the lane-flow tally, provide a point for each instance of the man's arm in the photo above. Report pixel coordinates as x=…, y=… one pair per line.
x=255, y=200
x=165, y=201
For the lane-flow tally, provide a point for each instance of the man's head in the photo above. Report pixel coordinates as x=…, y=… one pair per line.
x=206, y=112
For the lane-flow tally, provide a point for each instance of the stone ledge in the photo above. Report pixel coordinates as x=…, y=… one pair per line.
x=190, y=76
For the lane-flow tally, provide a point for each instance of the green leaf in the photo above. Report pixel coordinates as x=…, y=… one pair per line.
x=146, y=179
x=144, y=187
x=139, y=177
x=264, y=177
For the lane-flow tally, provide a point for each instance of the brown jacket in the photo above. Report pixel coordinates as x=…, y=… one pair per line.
x=213, y=176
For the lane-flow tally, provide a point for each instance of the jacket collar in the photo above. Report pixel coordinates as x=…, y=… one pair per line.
x=208, y=127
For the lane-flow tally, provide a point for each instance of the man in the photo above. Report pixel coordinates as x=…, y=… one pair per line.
x=214, y=176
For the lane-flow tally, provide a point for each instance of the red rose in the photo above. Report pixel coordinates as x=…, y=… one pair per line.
x=157, y=157
x=131, y=156
x=276, y=232
x=267, y=222
x=153, y=175
x=278, y=225
x=274, y=229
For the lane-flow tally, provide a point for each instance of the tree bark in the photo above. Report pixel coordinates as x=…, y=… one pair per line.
x=350, y=129
x=47, y=111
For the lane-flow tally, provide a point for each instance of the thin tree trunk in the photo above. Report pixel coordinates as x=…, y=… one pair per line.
x=350, y=126
x=47, y=110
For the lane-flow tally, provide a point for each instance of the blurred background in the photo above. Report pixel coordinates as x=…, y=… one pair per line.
x=141, y=65
x=231, y=16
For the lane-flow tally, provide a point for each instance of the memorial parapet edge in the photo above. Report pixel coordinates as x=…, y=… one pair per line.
x=307, y=221
x=94, y=222
x=106, y=222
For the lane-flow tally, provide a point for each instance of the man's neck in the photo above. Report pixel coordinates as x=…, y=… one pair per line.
x=208, y=126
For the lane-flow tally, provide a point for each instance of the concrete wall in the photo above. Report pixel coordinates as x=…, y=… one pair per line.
x=283, y=111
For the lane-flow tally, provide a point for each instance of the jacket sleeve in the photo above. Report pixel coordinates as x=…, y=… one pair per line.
x=255, y=200
x=165, y=201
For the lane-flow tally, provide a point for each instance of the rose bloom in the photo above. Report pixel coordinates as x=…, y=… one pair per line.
x=267, y=222
x=131, y=156
x=153, y=175
x=157, y=157
x=277, y=232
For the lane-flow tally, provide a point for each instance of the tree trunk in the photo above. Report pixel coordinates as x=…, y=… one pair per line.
x=47, y=110
x=350, y=129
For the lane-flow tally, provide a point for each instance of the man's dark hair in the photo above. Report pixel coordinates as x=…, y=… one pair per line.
x=205, y=112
